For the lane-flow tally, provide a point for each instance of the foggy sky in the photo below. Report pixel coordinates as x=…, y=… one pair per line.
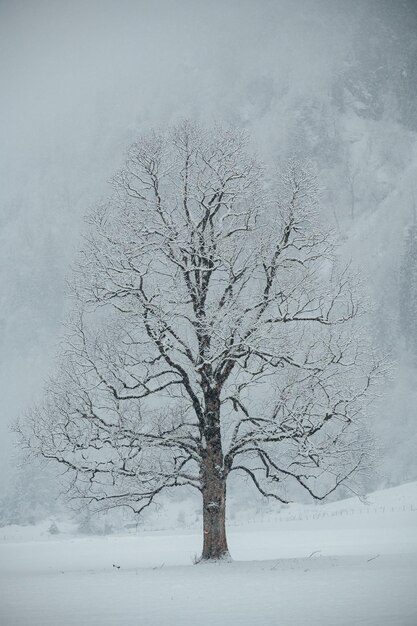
x=79, y=79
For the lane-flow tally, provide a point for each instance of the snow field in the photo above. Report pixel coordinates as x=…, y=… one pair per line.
x=335, y=570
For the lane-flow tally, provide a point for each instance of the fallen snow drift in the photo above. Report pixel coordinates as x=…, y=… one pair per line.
x=343, y=563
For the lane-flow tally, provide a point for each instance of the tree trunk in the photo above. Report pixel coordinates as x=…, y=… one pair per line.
x=214, y=489
x=214, y=520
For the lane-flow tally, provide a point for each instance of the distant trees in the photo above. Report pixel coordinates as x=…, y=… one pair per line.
x=408, y=289
x=380, y=69
x=213, y=333
x=32, y=494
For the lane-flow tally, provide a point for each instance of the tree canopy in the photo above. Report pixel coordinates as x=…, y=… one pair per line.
x=213, y=332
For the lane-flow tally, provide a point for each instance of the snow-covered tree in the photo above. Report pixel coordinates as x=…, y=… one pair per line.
x=213, y=333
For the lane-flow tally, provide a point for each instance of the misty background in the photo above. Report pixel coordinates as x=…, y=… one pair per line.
x=334, y=82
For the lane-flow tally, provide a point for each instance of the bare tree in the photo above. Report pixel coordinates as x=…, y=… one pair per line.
x=213, y=334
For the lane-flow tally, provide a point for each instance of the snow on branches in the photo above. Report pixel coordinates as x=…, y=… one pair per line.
x=213, y=333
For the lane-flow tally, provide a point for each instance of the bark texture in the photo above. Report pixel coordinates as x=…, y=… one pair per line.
x=214, y=487
x=214, y=513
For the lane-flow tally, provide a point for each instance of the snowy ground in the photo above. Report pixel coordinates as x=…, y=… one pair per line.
x=343, y=563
